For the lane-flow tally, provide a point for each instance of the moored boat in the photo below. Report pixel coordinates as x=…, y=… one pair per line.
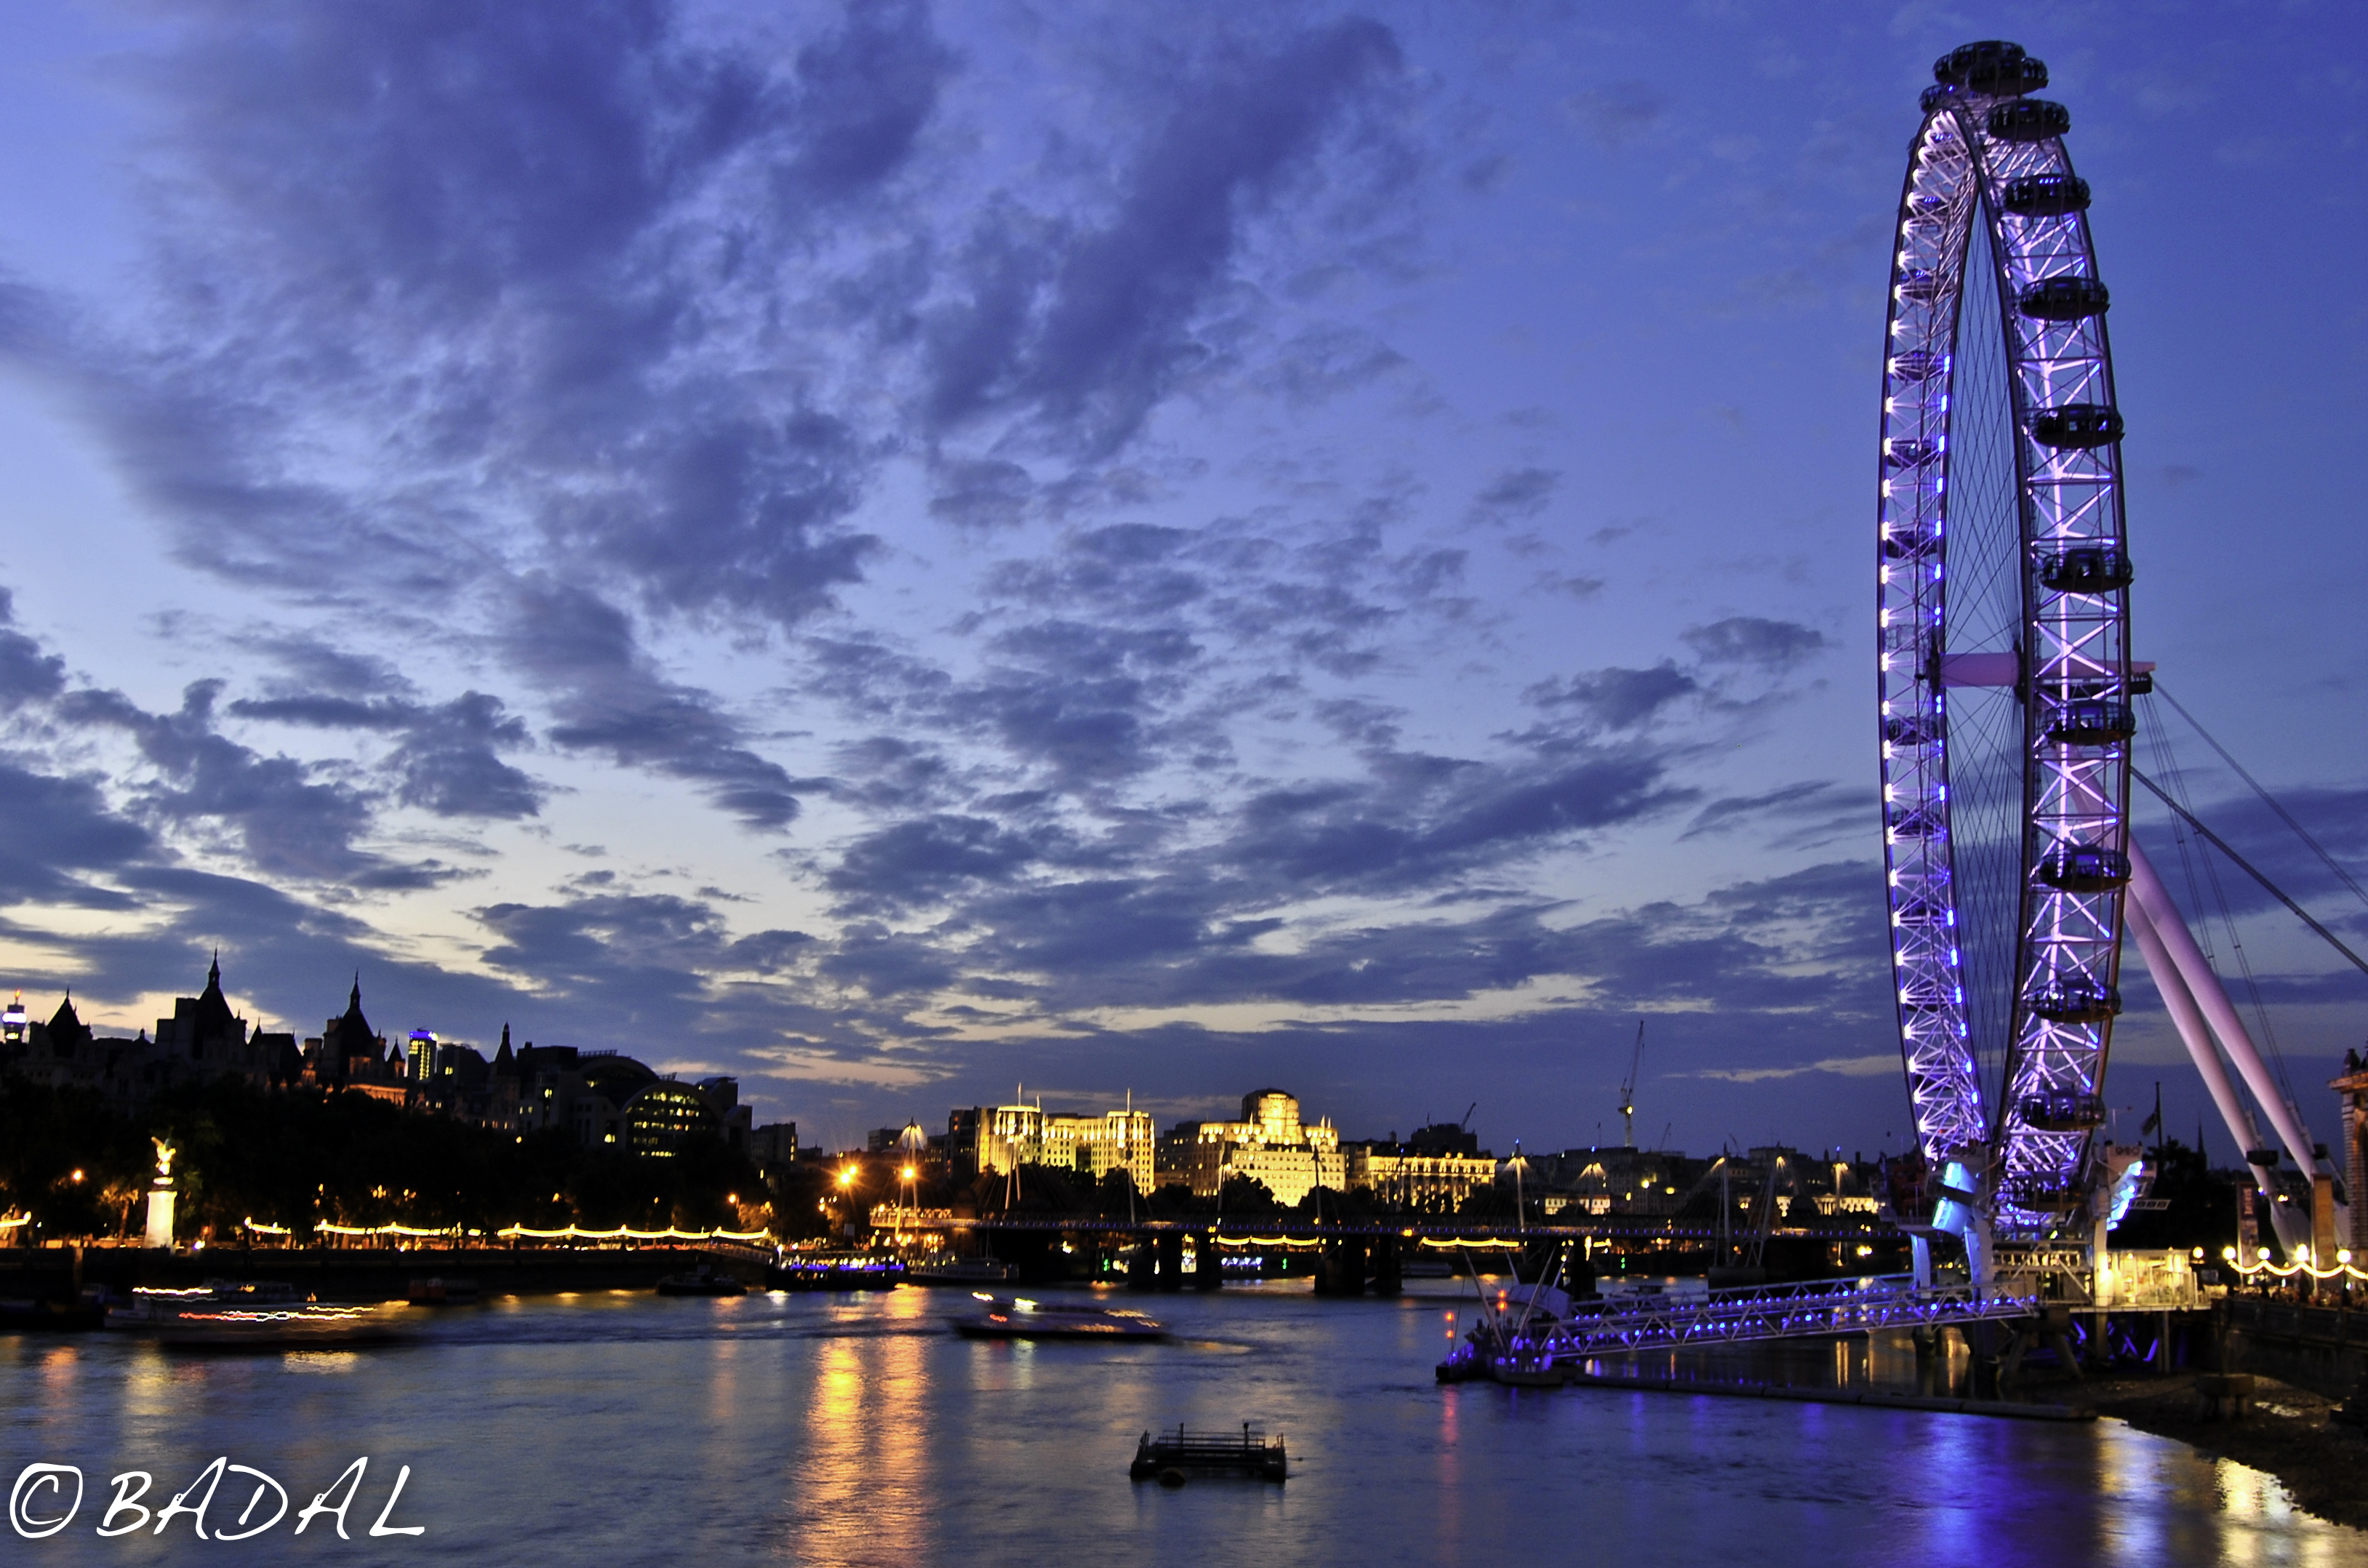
x=51, y=1317
x=962, y=1271
x=1173, y=1457
x=436, y=1290
x=1018, y=1317
x=835, y=1272
x=705, y=1281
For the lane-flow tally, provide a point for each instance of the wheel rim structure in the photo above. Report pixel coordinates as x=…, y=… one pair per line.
x=2034, y=644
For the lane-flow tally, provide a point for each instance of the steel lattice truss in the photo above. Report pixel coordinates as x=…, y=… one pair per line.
x=1995, y=158
x=1855, y=1307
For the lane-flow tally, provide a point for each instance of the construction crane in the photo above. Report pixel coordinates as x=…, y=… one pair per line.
x=1628, y=1091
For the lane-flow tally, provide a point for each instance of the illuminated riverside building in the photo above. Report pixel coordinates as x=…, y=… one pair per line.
x=1269, y=1145
x=1406, y=1178
x=1001, y=1138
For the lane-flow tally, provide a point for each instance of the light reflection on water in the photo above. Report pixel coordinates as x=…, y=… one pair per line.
x=624, y=1429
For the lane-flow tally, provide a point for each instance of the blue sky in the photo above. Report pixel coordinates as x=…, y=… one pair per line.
x=901, y=551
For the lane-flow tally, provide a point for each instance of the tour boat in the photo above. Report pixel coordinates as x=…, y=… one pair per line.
x=227, y=1316
x=1020, y=1318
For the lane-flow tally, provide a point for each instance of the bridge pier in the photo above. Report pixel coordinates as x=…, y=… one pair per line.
x=1209, y=1272
x=1340, y=1268
x=1171, y=1260
x=1141, y=1265
x=1388, y=1281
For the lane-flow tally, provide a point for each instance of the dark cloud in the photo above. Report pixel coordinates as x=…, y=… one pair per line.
x=768, y=951
x=517, y=244
x=864, y=92
x=1327, y=360
x=56, y=832
x=607, y=699
x=316, y=666
x=1618, y=697
x=445, y=152
x=1432, y=819
x=1515, y=495
x=730, y=510
x=283, y=819
x=27, y=674
x=1095, y=342
x=1796, y=816
x=650, y=947
x=447, y=760
x=917, y=862
x=881, y=963
x=980, y=494
x=1753, y=640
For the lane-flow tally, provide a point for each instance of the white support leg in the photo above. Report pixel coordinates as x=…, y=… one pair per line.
x=2188, y=1020
x=2148, y=893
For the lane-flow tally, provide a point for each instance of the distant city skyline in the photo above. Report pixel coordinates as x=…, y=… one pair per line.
x=884, y=551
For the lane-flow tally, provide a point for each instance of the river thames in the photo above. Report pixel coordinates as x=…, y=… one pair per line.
x=620, y=1429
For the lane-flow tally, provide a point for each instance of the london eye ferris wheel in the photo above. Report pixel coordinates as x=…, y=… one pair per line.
x=2004, y=675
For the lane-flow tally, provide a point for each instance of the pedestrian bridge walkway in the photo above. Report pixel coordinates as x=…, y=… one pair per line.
x=1735, y=1317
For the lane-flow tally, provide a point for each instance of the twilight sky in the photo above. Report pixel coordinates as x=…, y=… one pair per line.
x=896, y=551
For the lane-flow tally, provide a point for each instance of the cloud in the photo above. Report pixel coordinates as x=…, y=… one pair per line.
x=1618, y=697
x=1877, y=1066
x=1753, y=640
x=1088, y=343
x=1619, y=112
x=281, y=819
x=1515, y=495
x=1821, y=809
x=27, y=674
x=446, y=761
x=56, y=832
x=864, y=93
x=608, y=698
x=917, y=862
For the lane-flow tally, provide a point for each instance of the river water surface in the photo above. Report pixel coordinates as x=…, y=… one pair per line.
x=623, y=1429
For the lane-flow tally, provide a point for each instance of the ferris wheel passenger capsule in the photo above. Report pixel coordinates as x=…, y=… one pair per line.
x=1993, y=67
x=2077, y=426
x=2092, y=722
x=2076, y=1002
x=2084, y=868
x=2046, y=196
x=2029, y=119
x=2091, y=569
x=2063, y=299
x=2061, y=1112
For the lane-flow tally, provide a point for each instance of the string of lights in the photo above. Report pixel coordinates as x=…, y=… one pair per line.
x=510, y=1233
x=2301, y=1266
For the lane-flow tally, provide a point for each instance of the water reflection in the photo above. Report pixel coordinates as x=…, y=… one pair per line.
x=855, y=1430
x=864, y=1484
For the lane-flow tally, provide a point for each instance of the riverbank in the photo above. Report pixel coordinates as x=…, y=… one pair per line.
x=2290, y=1434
